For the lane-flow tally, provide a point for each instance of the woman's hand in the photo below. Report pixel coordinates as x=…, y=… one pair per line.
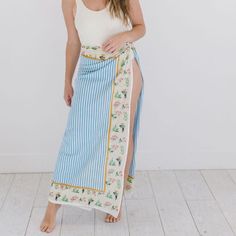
x=115, y=42
x=68, y=93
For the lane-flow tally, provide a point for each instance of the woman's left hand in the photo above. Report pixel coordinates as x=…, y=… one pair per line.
x=115, y=42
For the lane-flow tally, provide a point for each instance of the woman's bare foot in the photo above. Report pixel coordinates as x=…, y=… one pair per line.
x=111, y=219
x=49, y=220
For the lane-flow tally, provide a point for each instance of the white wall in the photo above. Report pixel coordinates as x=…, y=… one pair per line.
x=188, y=60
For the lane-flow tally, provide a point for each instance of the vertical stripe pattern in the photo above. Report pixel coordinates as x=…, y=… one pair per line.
x=82, y=154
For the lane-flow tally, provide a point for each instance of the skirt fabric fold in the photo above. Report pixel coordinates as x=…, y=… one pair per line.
x=90, y=166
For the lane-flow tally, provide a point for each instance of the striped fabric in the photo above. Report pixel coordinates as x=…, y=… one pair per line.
x=91, y=160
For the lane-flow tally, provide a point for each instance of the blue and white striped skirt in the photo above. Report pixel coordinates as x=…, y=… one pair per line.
x=90, y=166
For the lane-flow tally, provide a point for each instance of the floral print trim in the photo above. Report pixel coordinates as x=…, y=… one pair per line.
x=108, y=200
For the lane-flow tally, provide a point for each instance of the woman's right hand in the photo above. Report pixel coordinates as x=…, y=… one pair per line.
x=68, y=93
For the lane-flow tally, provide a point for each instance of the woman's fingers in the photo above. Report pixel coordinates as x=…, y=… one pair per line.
x=106, y=43
x=68, y=99
x=110, y=47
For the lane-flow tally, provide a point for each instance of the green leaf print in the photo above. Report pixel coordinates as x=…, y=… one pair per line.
x=113, y=115
x=118, y=95
x=112, y=162
x=122, y=63
x=98, y=203
x=64, y=198
x=109, y=195
x=115, y=128
x=117, y=173
x=75, y=190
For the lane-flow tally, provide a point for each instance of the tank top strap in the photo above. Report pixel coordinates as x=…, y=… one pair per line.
x=79, y=7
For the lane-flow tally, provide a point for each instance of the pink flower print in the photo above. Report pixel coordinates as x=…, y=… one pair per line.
x=115, y=146
x=62, y=186
x=116, y=104
x=118, y=113
x=107, y=204
x=74, y=198
x=128, y=71
x=114, y=137
x=120, y=79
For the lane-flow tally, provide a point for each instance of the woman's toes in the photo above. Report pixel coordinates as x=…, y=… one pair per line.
x=111, y=219
x=107, y=218
x=44, y=228
x=49, y=229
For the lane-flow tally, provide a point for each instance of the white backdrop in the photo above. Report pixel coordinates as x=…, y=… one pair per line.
x=189, y=65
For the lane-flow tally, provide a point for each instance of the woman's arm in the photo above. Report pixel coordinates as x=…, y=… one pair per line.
x=73, y=46
x=138, y=29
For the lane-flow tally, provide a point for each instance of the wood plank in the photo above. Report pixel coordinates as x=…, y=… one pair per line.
x=16, y=210
x=141, y=188
x=41, y=199
x=106, y=229
x=5, y=183
x=193, y=185
x=224, y=191
x=209, y=218
x=36, y=219
x=77, y=221
x=174, y=212
x=143, y=218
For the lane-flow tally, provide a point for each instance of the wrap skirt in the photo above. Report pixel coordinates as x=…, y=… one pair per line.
x=90, y=166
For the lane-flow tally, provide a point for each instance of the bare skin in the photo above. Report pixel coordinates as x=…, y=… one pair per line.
x=49, y=221
x=73, y=48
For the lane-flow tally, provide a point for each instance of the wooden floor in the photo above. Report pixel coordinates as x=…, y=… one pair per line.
x=171, y=203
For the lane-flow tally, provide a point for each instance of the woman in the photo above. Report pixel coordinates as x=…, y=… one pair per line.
x=96, y=161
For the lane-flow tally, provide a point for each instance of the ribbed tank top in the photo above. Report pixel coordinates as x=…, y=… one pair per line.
x=94, y=27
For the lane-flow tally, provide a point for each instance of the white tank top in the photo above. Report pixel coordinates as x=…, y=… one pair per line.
x=94, y=27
